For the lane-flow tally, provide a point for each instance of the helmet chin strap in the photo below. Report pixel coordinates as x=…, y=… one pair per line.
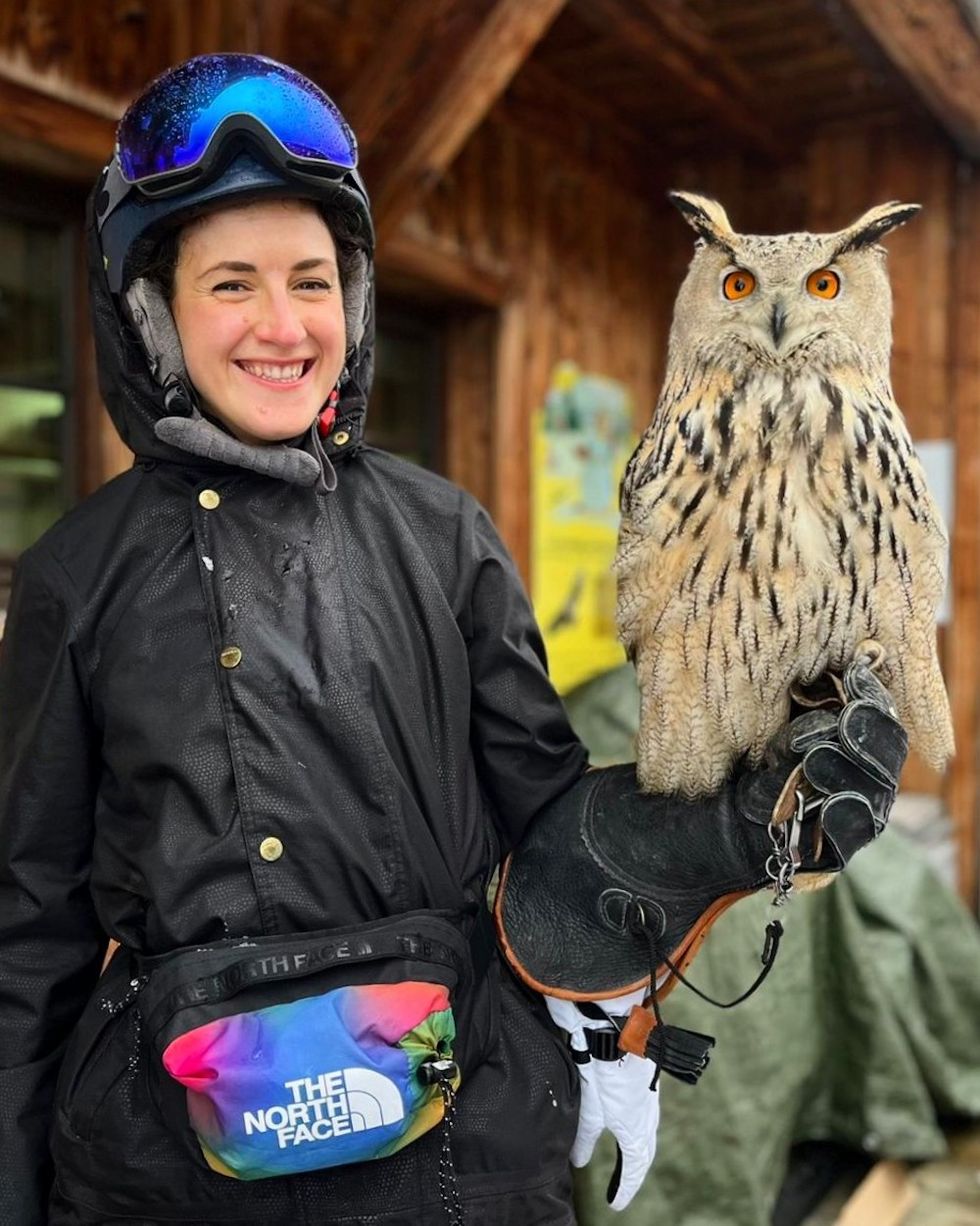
x=186, y=428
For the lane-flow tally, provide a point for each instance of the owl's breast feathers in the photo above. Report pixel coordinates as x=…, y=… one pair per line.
x=769, y=523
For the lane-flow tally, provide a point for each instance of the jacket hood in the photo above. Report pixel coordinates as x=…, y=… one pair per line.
x=136, y=402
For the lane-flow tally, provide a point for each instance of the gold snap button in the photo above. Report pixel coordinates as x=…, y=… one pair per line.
x=231, y=657
x=209, y=499
x=340, y=438
x=270, y=849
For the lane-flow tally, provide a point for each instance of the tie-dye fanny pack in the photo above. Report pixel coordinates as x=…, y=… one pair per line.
x=296, y=1053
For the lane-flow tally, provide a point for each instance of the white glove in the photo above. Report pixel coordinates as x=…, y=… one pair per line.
x=616, y=1094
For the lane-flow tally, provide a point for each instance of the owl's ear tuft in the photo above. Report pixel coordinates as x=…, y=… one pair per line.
x=875, y=224
x=705, y=216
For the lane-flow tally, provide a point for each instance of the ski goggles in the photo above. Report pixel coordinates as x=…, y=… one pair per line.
x=173, y=135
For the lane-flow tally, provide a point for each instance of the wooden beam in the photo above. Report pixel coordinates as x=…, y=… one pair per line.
x=441, y=270
x=43, y=128
x=963, y=776
x=934, y=46
x=381, y=85
x=510, y=474
x=472, y=83
x=667, y=35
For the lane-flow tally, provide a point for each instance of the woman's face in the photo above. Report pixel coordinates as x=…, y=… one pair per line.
x=260, y=316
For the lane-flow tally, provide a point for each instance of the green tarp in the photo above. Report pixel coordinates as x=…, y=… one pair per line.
x=866, y=1031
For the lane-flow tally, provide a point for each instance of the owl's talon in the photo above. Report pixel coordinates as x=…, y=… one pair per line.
x=870, y=653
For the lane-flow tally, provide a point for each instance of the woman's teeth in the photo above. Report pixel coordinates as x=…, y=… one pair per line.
x=278, y=374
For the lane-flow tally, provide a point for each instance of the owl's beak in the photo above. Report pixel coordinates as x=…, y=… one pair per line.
x=777, y=322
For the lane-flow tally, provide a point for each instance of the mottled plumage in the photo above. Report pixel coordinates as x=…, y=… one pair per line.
x=775, y=514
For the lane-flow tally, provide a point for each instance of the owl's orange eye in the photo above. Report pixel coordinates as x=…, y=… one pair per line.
x=823, y=283
x=738, y=284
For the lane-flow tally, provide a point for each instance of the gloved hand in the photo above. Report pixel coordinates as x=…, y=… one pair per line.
x=832, y=774
x=617, y=1092
x=609, y=883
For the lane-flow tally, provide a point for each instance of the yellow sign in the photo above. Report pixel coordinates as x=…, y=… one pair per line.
x=581, y=438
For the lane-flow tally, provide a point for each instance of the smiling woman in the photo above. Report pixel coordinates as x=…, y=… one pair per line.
x=320, y=710
x=259, y=311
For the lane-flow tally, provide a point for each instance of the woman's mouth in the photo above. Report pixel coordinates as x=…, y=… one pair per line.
x=281, y=374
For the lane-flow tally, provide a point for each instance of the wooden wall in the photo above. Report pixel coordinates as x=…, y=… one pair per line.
x=574, y=289
x=590, y=275
x=551, y=235
x=933, y=263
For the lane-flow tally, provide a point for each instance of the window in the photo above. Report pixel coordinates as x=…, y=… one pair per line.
x=36, y=473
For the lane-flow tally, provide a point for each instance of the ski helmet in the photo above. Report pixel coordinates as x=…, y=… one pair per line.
x=221, y=127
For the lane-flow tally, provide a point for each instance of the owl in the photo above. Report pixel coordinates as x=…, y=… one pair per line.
x=774, y=514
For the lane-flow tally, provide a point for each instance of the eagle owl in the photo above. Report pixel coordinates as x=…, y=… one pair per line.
x=775, y=514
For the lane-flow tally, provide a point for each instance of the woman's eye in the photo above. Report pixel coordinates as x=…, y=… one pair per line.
x=315, y=285
x=229, y=285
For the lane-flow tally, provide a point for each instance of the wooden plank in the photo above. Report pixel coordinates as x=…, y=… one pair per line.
x=884, y=1197
x=266, y=28
x=667, y=35
x=469, y=373
x=540, y=101
x=510, y=460
x=936, y=50
x=380, y=86
x=440, y=266
x=41, y=122
x=471, y=85
x=963, y=777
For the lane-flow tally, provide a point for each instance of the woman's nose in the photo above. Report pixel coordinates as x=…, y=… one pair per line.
x=278, y=321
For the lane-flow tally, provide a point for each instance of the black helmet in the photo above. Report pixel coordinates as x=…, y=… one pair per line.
x=221, y=127
x=232, y=128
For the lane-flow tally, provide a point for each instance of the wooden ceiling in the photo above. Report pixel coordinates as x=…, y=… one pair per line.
x=629, y=84
x=760, y=74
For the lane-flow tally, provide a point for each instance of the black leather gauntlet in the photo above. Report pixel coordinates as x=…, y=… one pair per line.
x=610, y=884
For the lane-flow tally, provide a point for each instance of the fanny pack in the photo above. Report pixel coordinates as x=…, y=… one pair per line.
x=296, y=1053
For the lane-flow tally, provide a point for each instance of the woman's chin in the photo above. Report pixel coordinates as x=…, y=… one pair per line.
x=257, y=432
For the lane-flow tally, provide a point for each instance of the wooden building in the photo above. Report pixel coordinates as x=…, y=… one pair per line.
x=518, y=153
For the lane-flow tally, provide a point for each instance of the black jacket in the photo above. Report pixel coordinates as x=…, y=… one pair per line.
x=386, y=715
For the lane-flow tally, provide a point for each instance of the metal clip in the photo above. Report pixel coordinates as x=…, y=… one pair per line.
x=785, y=857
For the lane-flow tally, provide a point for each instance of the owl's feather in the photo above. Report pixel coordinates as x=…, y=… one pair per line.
x=774, y=516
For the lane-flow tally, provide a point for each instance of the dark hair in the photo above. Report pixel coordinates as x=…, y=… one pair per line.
x=156, y=257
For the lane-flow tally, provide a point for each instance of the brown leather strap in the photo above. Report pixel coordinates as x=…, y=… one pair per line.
x=636, y=1030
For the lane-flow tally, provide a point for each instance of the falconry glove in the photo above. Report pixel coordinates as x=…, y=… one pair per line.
x=612, y=889
x=833, y=770
x=618, y=1091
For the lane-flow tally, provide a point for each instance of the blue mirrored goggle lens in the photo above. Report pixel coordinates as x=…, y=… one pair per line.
x=169, y=128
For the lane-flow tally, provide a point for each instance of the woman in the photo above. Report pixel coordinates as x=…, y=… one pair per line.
x=273, y=706
x=270, y=680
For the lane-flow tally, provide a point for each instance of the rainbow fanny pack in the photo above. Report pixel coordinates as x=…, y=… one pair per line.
x=296, y=1053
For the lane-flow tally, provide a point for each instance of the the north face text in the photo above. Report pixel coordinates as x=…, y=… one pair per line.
x=329, y=1105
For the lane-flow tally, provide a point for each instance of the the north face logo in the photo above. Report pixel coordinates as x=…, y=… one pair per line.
x=330, y=1105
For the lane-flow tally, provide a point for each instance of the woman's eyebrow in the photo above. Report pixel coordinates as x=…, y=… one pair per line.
x=315, y=262
x=228, y=266
x=241, y=266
